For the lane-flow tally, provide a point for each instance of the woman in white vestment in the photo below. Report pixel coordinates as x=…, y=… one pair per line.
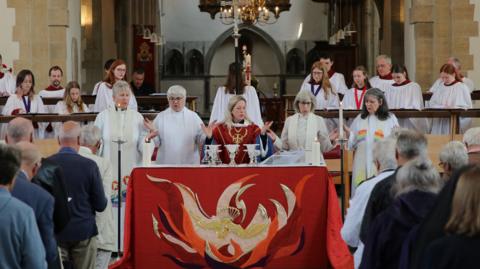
x=25, y=101
x=72, y=103
x=452, y=93
x=337, y=80
x=406, y=94
x=224, y=93
x=104, y=99
x=374, y=123
x=303, y=128
x=353, y=98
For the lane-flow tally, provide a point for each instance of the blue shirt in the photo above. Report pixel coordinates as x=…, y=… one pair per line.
x=20, y=242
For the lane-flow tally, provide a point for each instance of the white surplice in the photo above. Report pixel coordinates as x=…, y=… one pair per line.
x=51, y=108
x=382, y=84
x=408, y=96
x=337, y=80
x=220, y=105
x=363, y=134
x=456, y=95
x=7, y=84
x=104, y=99
x=331, y=102
x=468, y=82
x=61, y=109
x=180, y=137
x=36, y=106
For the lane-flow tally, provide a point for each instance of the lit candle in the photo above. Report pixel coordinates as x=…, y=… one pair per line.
x=148, y=147
x=340, y=120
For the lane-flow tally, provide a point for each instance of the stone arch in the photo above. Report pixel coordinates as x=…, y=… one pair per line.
x=175, y=63
x=195, y=63
x=295, y=62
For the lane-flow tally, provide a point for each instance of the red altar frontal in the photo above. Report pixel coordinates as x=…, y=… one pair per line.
x=242, y=217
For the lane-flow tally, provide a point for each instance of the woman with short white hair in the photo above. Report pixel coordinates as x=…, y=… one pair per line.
x=453, y=156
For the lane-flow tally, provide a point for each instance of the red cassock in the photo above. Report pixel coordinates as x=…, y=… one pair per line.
x=235, y=135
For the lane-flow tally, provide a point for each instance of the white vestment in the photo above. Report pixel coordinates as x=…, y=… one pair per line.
x=456, y=95
x=408, y=96
x=382, y=84
x=7, y=84
x=363, y=134
x=61, y=109
x=36, y=106
x=180, y=137
x=299, y=132
x=220, y=105
x=96, y=87
x=350, y=103
x=468, y=82
x=104, y=99
x=337, y=80
x=51, y=108
x=331, y=102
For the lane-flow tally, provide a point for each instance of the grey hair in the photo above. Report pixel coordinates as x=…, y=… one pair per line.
x=411, y=144
x=304, y=96
x=177, y=91
x=384, y=153
x=30, y=153
x=455, y=154
x=19, y=129
x=231, y=104
x=119, y=87
x=70, y=133
x=472, y=136
x=90, y=135
x=385, y=57
x=417, y=174
x=456, y=62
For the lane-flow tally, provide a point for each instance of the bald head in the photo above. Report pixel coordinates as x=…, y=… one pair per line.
x=31, y=158
x=19, y=129
x=70, y=135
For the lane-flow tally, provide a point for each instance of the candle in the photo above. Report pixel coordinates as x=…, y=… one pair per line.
x=340, y=120
x=316, y=153
x=148, y=147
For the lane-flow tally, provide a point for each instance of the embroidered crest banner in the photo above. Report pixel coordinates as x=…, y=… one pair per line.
x=243, y=217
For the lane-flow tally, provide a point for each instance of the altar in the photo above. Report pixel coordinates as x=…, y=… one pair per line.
x=233, y=217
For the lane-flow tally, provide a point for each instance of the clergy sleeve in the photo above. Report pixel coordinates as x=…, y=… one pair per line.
x=216, y=108
x=253, y=105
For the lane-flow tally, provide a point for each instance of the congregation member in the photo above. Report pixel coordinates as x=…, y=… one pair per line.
x=417, y=183
x=374, y=123
x=21, y=245
x=237, y=128
x=433, y=227
x=458, y=66
x=406, y=94
x=337, y=80
x=384, y=158
x=72, y=102
x=86, y=196
x=410, y=145
x=104, y=100
x=90, y=141
x=353, y=98
x=37, y=198
x=459, y=248
x=384, y=73
x=106, y=68
x=302, y=128
x=224, y=93
x=7, y=80
x=177, y=131
x=138, y=84
x=25, y=101
x=450, y=94
x=453, y=156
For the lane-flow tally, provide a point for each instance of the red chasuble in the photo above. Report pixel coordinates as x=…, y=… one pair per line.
x=235, y=135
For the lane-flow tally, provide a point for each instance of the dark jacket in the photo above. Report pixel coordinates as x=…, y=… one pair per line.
x=50, y=177
x=392, y=227
x=452, y=251
x=86, y=194
x=42, y=204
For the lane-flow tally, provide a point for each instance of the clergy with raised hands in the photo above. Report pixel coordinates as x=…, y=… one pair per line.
x=177, y=131
x=337, y=80
x=237, y=128
x=384, y=73
x=303, y=128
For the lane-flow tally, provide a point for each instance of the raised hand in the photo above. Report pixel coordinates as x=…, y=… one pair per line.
x=148, y=124
x=266, y=127
x=208, y=130
x=333, y=135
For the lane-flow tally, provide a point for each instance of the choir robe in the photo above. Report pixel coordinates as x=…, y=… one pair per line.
x=51, y=92
x=337, y=80
x=468, y=82
x=456, y=95
x=180, y=137
x=14, y=104
x=350, y=102
x=7, y=84
x=61, y=109
x=104, y=99
x=407, y=95
x=331, y=102
x=363, y=134
x=96, y=87
x=300, y=131
x=220, y=105
x=381, y=82
x=241, y=134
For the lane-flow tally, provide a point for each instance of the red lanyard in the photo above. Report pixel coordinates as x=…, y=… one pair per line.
x=359, y=102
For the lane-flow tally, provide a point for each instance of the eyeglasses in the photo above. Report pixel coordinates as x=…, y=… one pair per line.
x=173, y=99
x=306, y=103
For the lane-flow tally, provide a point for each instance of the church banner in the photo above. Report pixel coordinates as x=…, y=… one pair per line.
x=221, y=217
x=144, y=53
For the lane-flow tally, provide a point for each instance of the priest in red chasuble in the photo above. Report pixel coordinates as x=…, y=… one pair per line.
x=238, y=129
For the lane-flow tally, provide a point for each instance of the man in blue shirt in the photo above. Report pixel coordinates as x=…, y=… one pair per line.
x=20, y=244
x=86, y=195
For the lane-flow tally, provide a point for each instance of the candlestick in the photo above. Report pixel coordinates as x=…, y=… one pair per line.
x=316, y=159
x=148, y=147
x=340, y=120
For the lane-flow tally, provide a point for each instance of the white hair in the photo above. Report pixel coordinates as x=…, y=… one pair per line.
x=456, y=62
x=90, y=135
x=417, y=174
x=385, y=57
x=472, y=136
x=384, y=153
x=69, y=133
x=30, y=153
x=19, y=129
x=177, y=91
x=411, y=144
x=119, y=87
x=304, y=96
x=455, y=154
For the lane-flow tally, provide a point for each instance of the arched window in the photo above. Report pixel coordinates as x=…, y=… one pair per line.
x=295, y=62
x=175, y=63
x=194, y=62
x=312, y=56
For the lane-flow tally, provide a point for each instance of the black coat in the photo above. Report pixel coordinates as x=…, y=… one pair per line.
x=452, y=251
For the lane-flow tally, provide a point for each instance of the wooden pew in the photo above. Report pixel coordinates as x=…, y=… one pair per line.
x=47, y=147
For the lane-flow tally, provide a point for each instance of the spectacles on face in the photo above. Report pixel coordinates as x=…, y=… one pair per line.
x=173, y=99
x=305, y=103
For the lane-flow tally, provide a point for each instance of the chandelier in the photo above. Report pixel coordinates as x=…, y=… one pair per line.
x=248, y=11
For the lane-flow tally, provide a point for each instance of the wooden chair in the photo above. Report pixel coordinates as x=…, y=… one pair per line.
x=47, y=147
x=334, y=168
